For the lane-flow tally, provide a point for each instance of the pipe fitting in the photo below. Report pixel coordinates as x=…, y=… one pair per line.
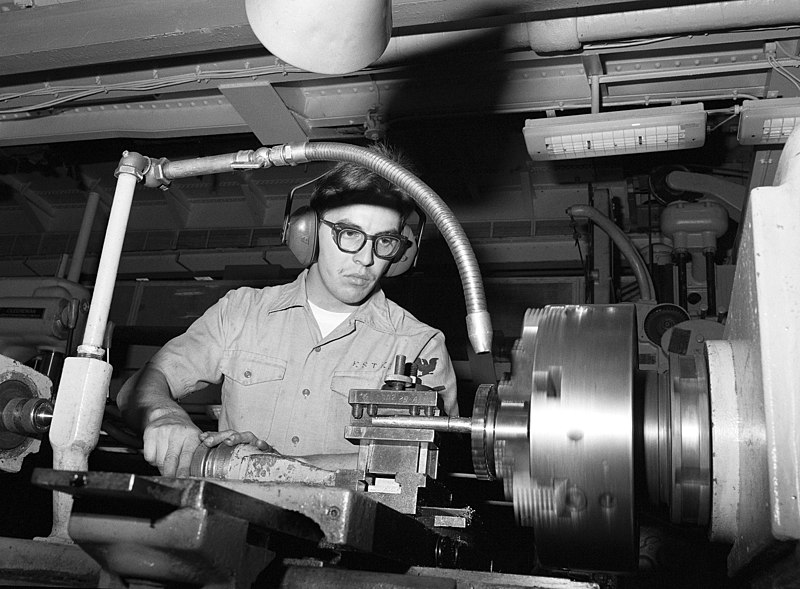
x=289, y=154
x=132, y=163
x=154, y=175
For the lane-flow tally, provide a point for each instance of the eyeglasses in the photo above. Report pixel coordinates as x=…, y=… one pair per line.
x=350, y=240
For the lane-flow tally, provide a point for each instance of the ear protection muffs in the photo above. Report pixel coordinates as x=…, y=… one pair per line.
x=300, y=230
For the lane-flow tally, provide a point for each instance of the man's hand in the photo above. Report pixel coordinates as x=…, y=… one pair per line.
x=231, y=437
x=170, y=440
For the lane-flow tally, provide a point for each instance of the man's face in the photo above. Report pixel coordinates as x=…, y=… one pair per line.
x=338, y=281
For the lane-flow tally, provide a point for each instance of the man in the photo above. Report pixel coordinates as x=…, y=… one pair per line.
x=288, y=355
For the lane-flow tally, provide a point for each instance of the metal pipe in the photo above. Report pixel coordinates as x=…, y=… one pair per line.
x=570, y=33
x=82, y=242
x=682, y=258
x=625, y=245
x=128, y=174
x=213, y=164
x=595, y=80
x=441, y=423
x=711, y=284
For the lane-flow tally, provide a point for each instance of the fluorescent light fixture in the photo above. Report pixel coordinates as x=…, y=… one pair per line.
x=616, y=133
x=769, y=121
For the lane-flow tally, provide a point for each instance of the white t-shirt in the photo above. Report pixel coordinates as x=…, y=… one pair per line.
x=327, y=320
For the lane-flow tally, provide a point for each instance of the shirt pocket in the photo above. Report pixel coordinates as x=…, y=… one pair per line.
x=251, y=368
x=250, y=391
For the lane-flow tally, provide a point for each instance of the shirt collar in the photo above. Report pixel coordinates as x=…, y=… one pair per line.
x=292, y=295
x=373, y=312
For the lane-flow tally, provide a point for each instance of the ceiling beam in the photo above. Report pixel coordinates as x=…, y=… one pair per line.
x=90, y=32
x=93, y=32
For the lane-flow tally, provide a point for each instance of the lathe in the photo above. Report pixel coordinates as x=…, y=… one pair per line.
x=609, y=412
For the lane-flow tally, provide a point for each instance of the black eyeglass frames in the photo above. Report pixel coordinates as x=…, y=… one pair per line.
x=351, y=239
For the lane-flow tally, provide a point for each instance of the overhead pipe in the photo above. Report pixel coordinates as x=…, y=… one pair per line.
x=79, y=253
x=571, y=33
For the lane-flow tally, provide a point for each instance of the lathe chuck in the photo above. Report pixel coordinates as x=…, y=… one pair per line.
x=560, y=434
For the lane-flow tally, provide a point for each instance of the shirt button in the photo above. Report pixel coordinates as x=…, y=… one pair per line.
x=295, y=440
x=306, y=392
x=247, y=374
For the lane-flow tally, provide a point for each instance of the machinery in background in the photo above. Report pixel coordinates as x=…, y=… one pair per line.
x=598, y=402
x=41, y=320
x=26, y=410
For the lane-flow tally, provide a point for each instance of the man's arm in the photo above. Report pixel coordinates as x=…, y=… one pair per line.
x=170, y=436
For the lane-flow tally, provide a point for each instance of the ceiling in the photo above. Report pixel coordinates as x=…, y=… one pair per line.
x=81, y=81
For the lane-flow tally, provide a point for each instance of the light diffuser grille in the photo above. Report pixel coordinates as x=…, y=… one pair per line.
x=616, y=133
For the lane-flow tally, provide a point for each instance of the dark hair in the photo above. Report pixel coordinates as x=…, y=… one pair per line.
x=348, y=183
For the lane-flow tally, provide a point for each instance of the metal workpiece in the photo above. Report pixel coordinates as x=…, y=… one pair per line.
x=23, y=415
x=438, y=423
x=246, y=462
x=25, y=411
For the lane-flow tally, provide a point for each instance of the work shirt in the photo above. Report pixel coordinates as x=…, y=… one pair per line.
x=282, y=380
